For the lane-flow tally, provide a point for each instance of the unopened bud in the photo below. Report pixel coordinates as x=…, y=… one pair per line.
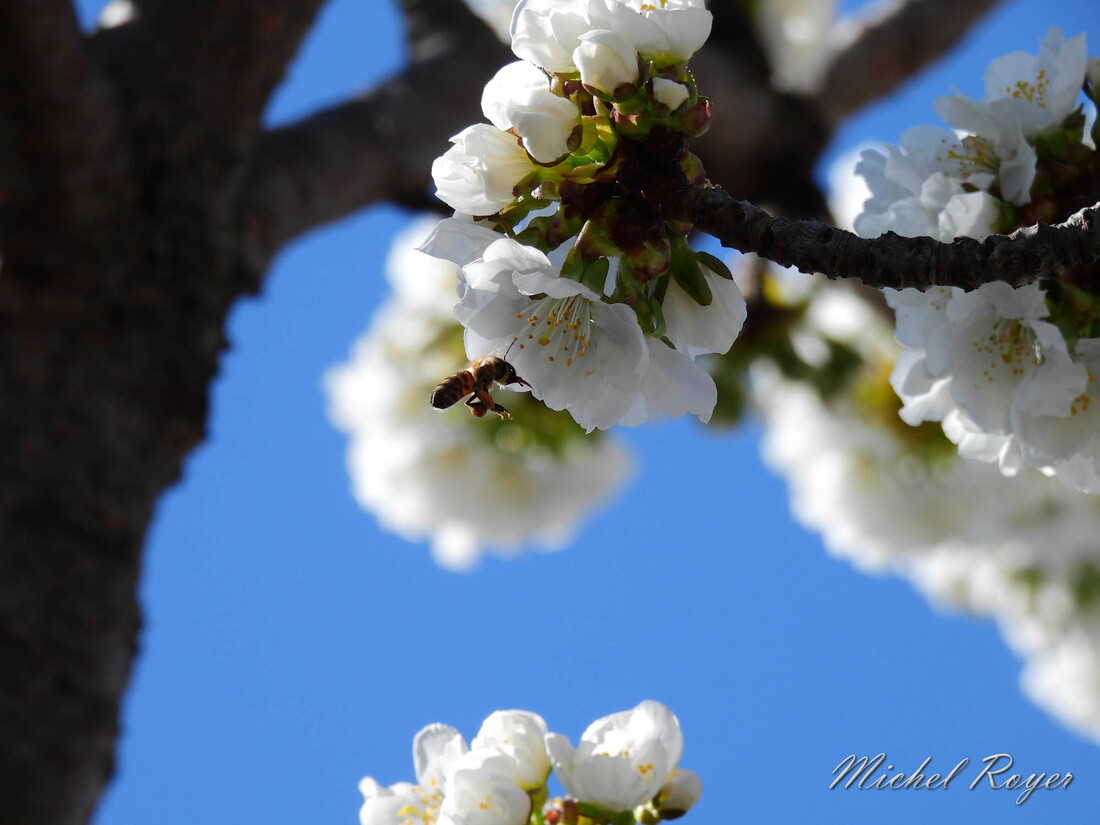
x=670, y=93
x=680, y=792
x=607, y=62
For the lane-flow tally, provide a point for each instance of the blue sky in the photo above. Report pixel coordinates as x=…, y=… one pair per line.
x=291, y=648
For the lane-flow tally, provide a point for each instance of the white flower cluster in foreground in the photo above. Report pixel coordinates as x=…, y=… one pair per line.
x=579, y=352
x=599, y=320
x=423, y=474
x=624, y=763
x=890, y=498
x=994, y=365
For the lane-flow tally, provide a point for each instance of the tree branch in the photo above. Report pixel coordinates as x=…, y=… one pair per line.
x=61, y=151
x=213, y=64
x=379, y=147
x=1029, y=254
x=899, y=39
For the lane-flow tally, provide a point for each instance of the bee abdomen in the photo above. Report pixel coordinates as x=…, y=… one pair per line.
x=450, y=390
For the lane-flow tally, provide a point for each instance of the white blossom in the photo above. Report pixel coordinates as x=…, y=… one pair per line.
x=548, y=32
x=682, y=789
x=497, y=14
x=1066, y=444
x=1024, y=95
x=518, y=97
x=669, y=92
x=606, y=60
x=437, y=749
x=481, y=791
x=478, y=174
x=1065, y=680
x=1092, y=74
x=695, y=329
x=985, y=363
x=1013, y=549
x=668, y=32
x=673, y=385
x=622, y=760
x=577, y=352
x=545, y=32
x=519, y=735
x=426, y=474
x=917, y=189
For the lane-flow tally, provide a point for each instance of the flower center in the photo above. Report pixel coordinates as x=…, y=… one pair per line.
x=1009, y=344
x=561, y=326
x=428, y=810
x=1035, y=92
x=973, y=153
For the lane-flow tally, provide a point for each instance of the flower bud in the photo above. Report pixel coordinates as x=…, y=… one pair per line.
x=606, y=61
x=680, y=792
x=670, y=93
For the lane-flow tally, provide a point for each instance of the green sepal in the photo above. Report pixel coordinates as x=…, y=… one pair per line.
x=651, y=318
x=685, y=268
x=515, y=212
x=590, y=136
x=595, y=241
x=715, y=265
x=693, y=169
x=573, y=265
x=595, y=274
x=594, y=811
x=651, y=260
x=1086, y=586
x=548, y=232
x=1053, y=143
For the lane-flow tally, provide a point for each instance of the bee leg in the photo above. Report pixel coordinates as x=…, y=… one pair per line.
x=477, y=406
x=500, y=410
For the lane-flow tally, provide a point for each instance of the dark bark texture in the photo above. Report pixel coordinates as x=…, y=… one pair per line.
x=140, y=198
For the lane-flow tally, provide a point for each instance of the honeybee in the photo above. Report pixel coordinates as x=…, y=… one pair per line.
x=478, y=379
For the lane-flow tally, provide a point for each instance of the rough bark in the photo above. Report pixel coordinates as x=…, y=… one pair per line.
x=1030, y=254
x=118, y=269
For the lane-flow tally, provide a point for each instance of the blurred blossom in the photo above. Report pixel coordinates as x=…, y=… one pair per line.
x=899, y=499
x=468, y=484
x=848, y=191
x=796, y=36
x=497, y=14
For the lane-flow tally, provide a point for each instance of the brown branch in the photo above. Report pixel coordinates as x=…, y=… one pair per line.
x=61, y=151
x=1029, y=254
x=379, y=147
x=212, y=64
x=897, y=41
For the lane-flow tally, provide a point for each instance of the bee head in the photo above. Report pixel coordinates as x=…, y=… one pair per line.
x=510, y=376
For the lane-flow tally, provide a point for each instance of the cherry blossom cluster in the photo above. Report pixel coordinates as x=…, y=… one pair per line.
x=624, y=769
x=1010, y=373
x=892, y=498
x=565, y=268
x=468, y=485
